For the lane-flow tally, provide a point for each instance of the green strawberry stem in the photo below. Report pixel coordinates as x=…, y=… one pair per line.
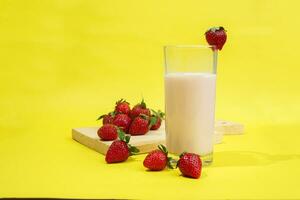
x=113, y=113
x=182, y=154
x=121, y=101
x=171, y=163
x=163, y=148
x=155, y=113
x=100, y=117
x=126, y=138
x=158, y=113
x=153, y=121
x=144, y=116
x=121, y=135
x=143, y=104
x=133, y=150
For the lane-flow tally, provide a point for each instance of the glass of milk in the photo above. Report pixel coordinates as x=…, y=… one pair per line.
x=190, y=89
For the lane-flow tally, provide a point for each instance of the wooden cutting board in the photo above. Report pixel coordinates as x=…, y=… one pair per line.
x=146, y=143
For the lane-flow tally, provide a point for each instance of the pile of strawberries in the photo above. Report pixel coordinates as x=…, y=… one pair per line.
x=136, y=121
x=123, y=122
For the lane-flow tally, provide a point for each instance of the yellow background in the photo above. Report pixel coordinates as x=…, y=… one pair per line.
x=65, y=62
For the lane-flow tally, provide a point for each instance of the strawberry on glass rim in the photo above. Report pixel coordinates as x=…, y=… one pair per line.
x=216, y=37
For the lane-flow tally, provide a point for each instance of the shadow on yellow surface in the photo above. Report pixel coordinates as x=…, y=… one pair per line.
x=248, y=158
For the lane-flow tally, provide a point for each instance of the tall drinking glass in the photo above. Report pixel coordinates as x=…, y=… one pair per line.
x=190, y=85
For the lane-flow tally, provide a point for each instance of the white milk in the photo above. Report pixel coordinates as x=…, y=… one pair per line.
x=190, y=108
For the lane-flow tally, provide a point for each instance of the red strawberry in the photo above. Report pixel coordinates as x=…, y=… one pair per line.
x=158, y=159
x=122, y=121
x=108, y=118
x=138, y=109
x=120, y=150
x=141, y=125
x=190, y=165
x=108, y=132
x=159, y=116
x=216, y=36
x=122, y=106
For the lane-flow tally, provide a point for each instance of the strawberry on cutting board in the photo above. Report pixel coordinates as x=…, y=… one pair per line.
x=141, y=125
x=216, y=36
x=120, y=150
x=107, y=118
x=108, y=132
x=140, y=108
x=123, y=121
x=122, y=106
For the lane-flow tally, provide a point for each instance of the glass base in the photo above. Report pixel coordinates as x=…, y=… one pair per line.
x=207, y=159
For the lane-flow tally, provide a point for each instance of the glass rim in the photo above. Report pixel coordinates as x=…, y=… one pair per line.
x=189, y=46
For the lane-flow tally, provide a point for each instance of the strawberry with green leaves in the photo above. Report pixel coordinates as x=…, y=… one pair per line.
x=190, y=165
x=216, y=36
x=107, y=118
x=120, y=150
x=141, y=125
x=159, y=115
x=158, y=159
x=140, y=108
x=122, y=106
